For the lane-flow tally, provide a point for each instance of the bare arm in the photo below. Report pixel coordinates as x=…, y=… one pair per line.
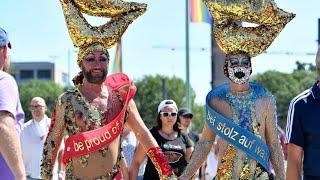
x=200, y=153
x=150, y=145
x=53, y=141
x=138, y=158
x=10, y=146
x=139, y=128
x=294, y=167
x=273, y=141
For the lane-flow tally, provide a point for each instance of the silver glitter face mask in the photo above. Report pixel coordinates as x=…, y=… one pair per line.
x=239, y=74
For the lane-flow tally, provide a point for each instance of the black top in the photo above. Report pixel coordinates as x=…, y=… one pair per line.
x=194, y=137
x=303, y=129
x=175, y=150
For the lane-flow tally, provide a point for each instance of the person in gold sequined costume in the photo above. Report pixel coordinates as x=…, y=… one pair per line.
x=91, y=116
x=246, y=104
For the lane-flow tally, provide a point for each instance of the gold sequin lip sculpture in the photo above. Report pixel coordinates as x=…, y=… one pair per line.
x=84, y=35
x=232, y=37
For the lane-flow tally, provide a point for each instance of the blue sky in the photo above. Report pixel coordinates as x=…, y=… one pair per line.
x=38, y=33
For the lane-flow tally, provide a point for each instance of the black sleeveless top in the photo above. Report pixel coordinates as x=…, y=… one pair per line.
x=175, y=150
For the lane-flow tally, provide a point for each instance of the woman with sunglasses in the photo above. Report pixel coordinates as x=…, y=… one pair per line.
x=176, y=145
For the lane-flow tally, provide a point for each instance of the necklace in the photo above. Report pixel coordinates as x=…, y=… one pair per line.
x=95, y=116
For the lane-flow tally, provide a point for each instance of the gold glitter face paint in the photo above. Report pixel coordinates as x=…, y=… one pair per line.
x=232, y=37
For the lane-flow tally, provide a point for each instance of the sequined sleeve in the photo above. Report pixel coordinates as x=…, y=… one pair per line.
x=199, y=155
x=53, y=140
x=276, y=155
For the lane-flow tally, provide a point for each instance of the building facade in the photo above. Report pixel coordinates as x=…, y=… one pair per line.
x=46, y=71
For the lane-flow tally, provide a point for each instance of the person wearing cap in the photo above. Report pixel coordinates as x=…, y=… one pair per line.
x=91, y=116
x=11, y=118
x=185, y=117
x=303, y=132
x=176, y=145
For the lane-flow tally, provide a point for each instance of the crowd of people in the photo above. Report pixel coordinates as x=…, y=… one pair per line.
x=96, y=132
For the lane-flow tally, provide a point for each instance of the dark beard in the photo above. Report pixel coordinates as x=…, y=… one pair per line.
x=95, y=80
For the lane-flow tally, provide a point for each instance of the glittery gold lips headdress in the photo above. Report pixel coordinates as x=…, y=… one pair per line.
x=232, y=37
x=99, y=38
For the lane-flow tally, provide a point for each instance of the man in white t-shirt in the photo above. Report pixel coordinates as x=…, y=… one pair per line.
x=33, y=137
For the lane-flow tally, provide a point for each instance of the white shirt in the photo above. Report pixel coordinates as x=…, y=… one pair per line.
x=128, y=145
x=33, y=137
x=212, y=165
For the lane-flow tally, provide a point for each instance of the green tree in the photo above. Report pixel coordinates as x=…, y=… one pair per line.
x=198, y=118
x=149, y=95
x=49, y=91
x=285, y=86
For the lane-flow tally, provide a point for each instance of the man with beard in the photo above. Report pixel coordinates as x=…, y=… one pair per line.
x=11, y=118
x=91, y=116
x=241, y=113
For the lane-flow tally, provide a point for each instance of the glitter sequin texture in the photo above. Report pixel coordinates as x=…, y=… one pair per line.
x=244, y=70
x=160, y=161
x=83, y=34
x=232, y=37
x=253, y=110
x=71, y=107
x=199, y=156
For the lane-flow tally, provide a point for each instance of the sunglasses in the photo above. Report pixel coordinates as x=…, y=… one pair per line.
x=166, y=114
x=32, y=107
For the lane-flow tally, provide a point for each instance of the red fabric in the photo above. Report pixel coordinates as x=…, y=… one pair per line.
x=92, y=141
x=160, y=161
x=118, y=176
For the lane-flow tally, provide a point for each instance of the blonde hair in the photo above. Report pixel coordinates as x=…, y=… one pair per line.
x=318, y=62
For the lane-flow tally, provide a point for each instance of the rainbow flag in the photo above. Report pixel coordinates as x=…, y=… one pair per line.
x=199, y=12
x=117, y=64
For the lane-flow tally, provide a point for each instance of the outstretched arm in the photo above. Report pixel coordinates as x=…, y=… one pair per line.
x=53, y=141
x=10, y=145
x=200, y=153
x=273, y=141
x=136, y=123
x=149, y=144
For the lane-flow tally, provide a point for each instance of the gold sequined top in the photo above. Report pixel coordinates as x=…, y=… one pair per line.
x=255, y=111
x=74, y=114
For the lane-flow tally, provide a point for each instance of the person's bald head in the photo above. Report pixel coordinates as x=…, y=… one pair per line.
x=38, y=100
x=38, y=108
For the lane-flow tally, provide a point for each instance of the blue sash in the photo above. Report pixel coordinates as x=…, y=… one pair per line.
x=237, y=136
